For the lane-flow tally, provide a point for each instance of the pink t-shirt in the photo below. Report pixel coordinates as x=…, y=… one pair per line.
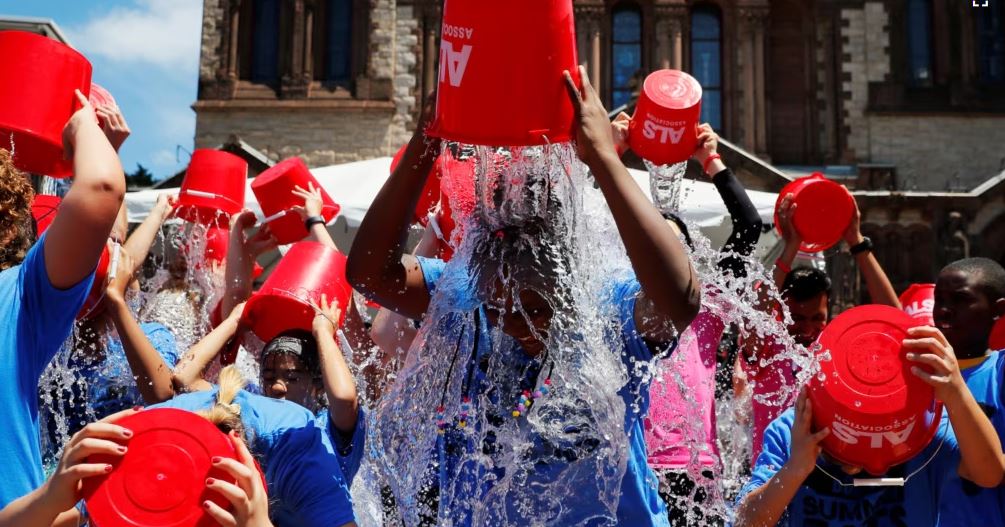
x=681, y=417
x=772, y=389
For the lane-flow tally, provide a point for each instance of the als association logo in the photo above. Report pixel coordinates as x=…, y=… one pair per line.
x=895, y=433
x=981, y=3
x=454, y=60
x=664, y=133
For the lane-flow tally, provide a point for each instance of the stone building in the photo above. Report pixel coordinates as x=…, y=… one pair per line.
x=906, y=96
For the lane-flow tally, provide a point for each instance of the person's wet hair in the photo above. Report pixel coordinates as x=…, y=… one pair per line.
x=989, y=275
x=16, y=222
x=805, y=283
x=300, y=344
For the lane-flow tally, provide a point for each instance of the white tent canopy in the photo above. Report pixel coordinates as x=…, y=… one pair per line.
x=354, y=186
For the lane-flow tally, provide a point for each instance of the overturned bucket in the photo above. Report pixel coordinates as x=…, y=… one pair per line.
x=213, y=188
x=274, y=191
x=664, y=129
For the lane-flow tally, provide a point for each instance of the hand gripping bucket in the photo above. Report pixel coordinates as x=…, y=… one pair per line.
x=161, y=480
x=308, y=270
x=919, y=302
x=823, y=212
x=37, y=81
x=100, y=97
x=501, y=67
x=274, y=190
x=44, y=209
x=430, y=191
x=879, y=413
x=664, y=129
x=213, y=188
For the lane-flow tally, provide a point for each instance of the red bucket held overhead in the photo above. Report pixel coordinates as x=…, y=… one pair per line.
x=457, y=201
x=501, y=67
x=879, y=413
x=824, y=209
x=213, y=188
x=919, y=302
x=664, y=129
x=100, y=97
x=308, y=270
x=274, y=190
x=161, y=480
x=997, y=340
x=430, y=192
x=37, y=83
x=44, y=209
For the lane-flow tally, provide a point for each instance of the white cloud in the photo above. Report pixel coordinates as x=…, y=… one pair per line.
x=163, y=33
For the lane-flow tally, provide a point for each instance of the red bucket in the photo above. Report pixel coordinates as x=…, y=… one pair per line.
x=824, y=211
x=664, y=129
x=162, y=479
x=501, y=67
x=879, y=413
x=37, y=82
x=308, y=270
x=44, y=209
x=919, y=302
x=430, y=192
x=457, y=201
x=100, y=97
x=274, y=190
x=213, y=188
x=997, y=340
x=93, y=305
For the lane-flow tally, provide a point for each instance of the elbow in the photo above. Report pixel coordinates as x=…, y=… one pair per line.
x=689, y=308
x=162, y=394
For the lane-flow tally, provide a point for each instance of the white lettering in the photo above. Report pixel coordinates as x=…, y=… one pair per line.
x=453, y=63
x=926, y=306
x=458, y=32
x=666, y=133
x=847, y=434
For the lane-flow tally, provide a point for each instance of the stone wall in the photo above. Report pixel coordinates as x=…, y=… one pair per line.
x=865, y=43
x=212, y=28
x=935, y=152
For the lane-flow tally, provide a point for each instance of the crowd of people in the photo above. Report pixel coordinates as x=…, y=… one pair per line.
x=301, y=428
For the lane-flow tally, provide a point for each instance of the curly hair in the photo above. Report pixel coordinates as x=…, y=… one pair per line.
x=16, y=223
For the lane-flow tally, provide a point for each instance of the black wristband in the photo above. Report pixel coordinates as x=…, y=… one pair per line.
x=314, y=220
x=861, y=247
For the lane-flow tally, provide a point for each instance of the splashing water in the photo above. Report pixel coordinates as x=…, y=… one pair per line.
x=666, y=185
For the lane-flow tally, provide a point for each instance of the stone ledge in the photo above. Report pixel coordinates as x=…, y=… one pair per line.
x=266, y=105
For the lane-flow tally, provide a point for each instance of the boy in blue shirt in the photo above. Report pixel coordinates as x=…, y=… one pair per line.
x=645, y=311
x=793, y=483
x=43, y=288
x=969, y=298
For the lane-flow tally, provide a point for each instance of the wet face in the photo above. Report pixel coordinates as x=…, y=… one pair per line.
x=964, y=313
x=520, y=311
x=284, y=377
x=809, y=317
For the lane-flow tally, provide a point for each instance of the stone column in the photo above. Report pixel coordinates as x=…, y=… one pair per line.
x=590, y=17
x=295, y=84
x=229, y=72
x=760, y=21
x=670, y=23
x=752, y=50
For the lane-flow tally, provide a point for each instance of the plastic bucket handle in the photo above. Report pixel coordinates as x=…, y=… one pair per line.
x=208, y=195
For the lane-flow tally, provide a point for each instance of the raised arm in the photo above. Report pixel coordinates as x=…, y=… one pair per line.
x=241, y=254
x=139, y=242
x=670, y=287
x=378, y=264
x=187, y=375
x=152, y=374
x=340, y=387
x=981, y=458
x=876, y=282
x=74, y=242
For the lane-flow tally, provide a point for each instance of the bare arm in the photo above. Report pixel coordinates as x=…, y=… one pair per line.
x=187, y=375
x=670, y=287
x=74, y=242
x=879, y=286
x=378, y=266
x=241, y=255
x=152, y=374
x=139, y=242
x=340, y=387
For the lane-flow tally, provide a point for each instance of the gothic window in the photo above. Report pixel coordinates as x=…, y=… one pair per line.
x=626, y=53
x=706, y=61
x=259, y=41
x=991, y=43
x=919, y=38
x=333, y=42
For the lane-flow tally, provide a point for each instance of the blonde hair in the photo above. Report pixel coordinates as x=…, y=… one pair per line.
x=224, y=413
x=16, y=196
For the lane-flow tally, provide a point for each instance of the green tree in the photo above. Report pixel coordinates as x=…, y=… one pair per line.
x=141, y=178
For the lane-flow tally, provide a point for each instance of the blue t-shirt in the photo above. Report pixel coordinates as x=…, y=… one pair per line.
x=306, y=485
x=964, y=503
x=821, y=501
x=35, y=319
x=111, y=386
x=348, y=449
x=639, y=503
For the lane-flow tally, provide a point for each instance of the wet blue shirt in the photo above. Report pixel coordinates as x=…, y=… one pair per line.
x=964, y=503
x=639, y=503
x=307, y=487
x=349, y=449
x=111, y=386
x=821, y=501
x=35, y=319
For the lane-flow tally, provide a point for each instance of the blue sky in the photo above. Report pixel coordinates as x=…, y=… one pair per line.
x=146, y=53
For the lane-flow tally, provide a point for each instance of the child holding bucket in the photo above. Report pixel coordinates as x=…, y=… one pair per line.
x=806, y=294
x=969, y=298
x=43, y=288
x=662, y=295
x=795, y=482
